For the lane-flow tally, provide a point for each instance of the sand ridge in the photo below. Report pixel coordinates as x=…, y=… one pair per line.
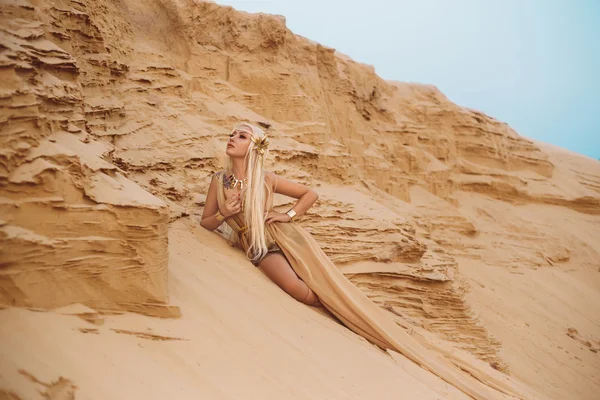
x=113, y=120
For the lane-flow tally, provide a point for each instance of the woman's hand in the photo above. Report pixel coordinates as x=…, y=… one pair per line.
x=274, y=216
x=233, y=206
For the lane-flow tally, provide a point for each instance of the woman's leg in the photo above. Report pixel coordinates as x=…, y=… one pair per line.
x=279, y=270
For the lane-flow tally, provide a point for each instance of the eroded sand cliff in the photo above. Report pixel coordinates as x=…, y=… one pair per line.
x=114, y=115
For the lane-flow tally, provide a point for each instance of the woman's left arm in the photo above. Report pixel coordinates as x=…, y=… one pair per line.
x=305, y=195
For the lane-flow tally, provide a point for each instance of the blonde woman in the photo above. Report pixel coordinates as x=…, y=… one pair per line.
x=246, y=183
x=242, y=196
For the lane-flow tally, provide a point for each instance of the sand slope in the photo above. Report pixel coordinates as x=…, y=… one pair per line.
x=114, y=116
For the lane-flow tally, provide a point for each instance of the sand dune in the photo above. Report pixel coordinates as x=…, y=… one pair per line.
x=114, y=116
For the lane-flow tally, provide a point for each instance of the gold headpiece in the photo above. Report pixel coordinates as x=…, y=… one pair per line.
x=260, y=144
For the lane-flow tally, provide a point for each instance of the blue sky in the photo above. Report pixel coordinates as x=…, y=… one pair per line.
x=534, y=64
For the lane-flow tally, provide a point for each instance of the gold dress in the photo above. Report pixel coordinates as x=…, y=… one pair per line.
x=348, y=303
x=237, y=223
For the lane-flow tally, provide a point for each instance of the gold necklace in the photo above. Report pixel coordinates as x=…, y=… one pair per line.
x=236, y=181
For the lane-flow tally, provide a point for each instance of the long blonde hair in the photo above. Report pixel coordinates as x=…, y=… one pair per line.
x=255, y=196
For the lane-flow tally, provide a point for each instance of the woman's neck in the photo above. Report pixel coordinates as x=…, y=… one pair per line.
x=238, y=168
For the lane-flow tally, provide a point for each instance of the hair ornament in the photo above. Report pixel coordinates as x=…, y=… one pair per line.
x=260, y=144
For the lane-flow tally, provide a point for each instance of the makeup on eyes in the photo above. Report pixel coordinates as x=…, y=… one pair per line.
x=242, y=134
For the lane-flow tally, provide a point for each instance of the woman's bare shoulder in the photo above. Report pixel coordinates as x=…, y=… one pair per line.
x=219, y=174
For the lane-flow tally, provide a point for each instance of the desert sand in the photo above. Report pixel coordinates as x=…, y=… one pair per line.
x=114, y=116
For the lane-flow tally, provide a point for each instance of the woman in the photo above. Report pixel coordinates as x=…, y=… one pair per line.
x=242, y=196
x=247, y=146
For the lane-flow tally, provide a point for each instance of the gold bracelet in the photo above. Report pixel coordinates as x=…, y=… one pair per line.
x=219, y=216
x=291, y=214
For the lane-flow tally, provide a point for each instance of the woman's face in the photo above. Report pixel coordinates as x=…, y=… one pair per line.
x=238, y=143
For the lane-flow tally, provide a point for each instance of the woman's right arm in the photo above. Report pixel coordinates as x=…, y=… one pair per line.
x=211, y=206
x=211, y=211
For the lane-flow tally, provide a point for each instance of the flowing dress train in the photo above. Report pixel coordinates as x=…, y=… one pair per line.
x=360, y=314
